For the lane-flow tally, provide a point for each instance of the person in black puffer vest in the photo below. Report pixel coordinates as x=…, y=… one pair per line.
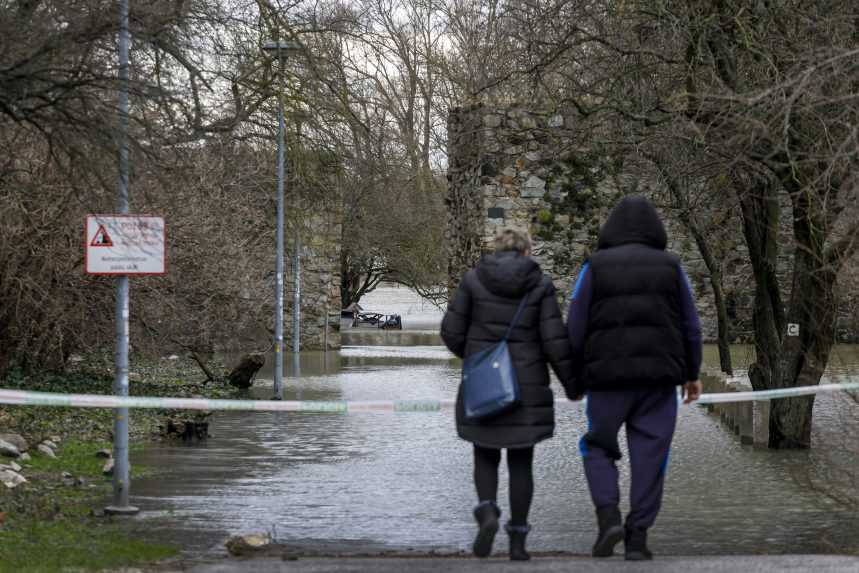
x=635, y=336
x=478, y=317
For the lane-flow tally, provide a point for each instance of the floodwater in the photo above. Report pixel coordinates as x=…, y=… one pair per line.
x=373, y=482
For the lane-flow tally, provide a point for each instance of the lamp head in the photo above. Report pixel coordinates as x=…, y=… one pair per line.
x=282, y=48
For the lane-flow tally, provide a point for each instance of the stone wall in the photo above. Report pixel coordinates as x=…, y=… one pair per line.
x=535, y=171
x=521, y=169
x=317, y=209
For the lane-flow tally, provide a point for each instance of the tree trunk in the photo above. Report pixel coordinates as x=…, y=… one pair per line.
x=692, y=225
x=210, y=376
x=714, y=267
x=791, y=348
x=243, y=375
x=813, y=310
x=723, y=340
x=760, y=215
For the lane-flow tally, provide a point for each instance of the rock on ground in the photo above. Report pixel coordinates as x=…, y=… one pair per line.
x=246, y=544
x=9, y=450
x=16, y=440
x=11, y=479
x=50, y=444
x=46, y=451
x=25, y=457
x=11, y=466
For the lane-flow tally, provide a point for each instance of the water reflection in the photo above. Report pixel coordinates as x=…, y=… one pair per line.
x=375, y=481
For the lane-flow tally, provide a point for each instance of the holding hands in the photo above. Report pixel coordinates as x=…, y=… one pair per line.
x=692, y=391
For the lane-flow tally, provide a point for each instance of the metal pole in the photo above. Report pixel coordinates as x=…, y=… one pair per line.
x=296, y=373
x=296, y=301
x=296, y=265
x=121, y=483
x=278, y=307
x=325, y=335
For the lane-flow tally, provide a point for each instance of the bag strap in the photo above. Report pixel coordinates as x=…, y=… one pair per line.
x=516, y=317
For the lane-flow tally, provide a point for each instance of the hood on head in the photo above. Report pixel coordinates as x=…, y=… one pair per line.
x=633, y=220
x=509, y=273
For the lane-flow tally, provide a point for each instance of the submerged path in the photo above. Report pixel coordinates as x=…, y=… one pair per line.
x=369, y=483
x=726, y=564
x=393, y=492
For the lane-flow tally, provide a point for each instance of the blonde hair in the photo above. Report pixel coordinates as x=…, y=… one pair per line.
x=512, y=240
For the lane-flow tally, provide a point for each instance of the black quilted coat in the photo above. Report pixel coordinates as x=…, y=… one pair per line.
x=635, y=337
x=478, y=317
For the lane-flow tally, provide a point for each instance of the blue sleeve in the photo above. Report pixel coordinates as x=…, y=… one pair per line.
x=692, y=338
x=577, y=317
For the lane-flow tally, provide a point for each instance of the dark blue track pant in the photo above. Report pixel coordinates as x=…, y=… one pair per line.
x=650, y=417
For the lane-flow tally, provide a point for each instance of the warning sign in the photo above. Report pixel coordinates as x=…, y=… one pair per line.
x=101, y=239
x=125, y=245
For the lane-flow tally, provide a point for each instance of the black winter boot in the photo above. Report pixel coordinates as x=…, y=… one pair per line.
x=486, y=513
x=610, y=533
x=636, y=545
x=517, y=534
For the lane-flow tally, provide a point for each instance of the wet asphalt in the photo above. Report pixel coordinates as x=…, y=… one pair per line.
x=710, y=564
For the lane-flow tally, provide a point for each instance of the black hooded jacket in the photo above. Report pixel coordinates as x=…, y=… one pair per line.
x=635, y=327
x=478, y=317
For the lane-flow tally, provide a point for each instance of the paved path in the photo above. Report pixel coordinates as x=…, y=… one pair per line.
x=709, y=564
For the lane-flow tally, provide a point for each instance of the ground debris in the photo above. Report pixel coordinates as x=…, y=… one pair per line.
x=240, y=545
x=189, y=427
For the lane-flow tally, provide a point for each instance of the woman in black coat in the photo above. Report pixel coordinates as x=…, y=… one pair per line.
x=480, y=314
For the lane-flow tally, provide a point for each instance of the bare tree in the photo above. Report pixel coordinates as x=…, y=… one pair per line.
x=764, y=93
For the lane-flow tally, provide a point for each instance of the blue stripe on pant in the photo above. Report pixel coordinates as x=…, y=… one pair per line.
x=650, y=417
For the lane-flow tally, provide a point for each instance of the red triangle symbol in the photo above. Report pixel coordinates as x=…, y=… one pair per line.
x=101, y=239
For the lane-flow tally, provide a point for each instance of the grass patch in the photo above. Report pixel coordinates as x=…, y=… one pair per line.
x=78, y=458
x=68, y=544
x=51, y=527
x=46, y=525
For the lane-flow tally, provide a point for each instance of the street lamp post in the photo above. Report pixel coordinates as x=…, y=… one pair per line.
x=296, y=289
x=121, y=504
x=296, y=260
x=280, y=49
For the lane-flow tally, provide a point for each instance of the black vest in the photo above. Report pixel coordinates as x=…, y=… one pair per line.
x=634, y=336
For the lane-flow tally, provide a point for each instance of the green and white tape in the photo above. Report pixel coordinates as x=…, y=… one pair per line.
x=22, y=398
x=752, y=396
